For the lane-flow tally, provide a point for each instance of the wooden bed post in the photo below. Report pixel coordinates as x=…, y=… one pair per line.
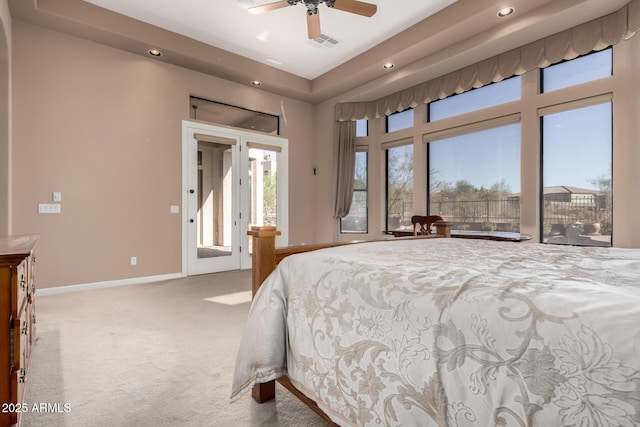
x=263, y=262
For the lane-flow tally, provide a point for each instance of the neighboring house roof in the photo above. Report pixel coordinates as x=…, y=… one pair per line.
x=564, y=189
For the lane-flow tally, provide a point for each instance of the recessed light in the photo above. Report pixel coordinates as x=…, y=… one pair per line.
x=154, y=52
x=256, y=83
x=388, y=65
x=505, y=12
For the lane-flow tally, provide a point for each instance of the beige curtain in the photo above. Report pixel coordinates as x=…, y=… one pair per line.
x=594, y=35
x=346, y=164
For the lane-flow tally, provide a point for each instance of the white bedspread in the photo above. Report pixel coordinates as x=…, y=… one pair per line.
x=453, y=332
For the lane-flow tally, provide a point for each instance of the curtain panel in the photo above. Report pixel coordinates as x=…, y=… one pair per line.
x=346, y=165
x=594, y=35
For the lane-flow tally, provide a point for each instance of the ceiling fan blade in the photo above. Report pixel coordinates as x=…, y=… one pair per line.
x=267, y=7
x=313, y=25
x=357, y=7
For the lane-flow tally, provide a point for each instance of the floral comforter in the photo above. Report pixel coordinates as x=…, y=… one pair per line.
x=453, y=332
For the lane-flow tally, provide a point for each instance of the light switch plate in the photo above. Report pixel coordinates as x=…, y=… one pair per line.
x=49, y=208
x=175, y=209
x=57, y=196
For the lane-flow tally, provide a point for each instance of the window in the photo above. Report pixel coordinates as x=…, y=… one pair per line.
x=231, y=115
x=474, y=179
x=400, y=120
x=584, y=69
x=399, y=188
x=476, y=99
x=576, y=175
x=362, y=128
x=356, y=220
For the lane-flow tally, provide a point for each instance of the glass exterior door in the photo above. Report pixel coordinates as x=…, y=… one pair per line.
x=263, y=175
x=213, y=204
x=265, y=185
x=233, y=179
x=215, y=196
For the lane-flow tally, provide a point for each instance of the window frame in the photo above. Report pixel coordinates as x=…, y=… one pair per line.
x=541, y=71
x=429, y=114
x=526, y=108
x=365, y=150
x=386, y=147
x=562, y=108
x=468, y=130
x=386, y=122
x=366, y=126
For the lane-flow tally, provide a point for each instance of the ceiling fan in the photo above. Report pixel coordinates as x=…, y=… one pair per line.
x=313, y=18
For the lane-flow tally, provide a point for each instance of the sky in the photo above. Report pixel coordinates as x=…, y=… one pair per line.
x=483, y=158
x=577, y=146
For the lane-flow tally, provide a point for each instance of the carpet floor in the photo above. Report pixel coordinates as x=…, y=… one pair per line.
x=156, y=354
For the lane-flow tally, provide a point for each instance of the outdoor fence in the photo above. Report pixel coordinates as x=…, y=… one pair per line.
x=399, y=214
x=504, y=214
x=478, y=211
x=585, y=209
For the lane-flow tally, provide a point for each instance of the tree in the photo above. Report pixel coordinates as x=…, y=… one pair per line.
x=269, y=192
x=399, y=183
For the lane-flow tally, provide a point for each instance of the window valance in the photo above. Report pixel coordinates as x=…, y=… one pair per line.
x=594, y=35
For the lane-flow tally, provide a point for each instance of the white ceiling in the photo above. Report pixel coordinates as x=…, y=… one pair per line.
x=279, y=38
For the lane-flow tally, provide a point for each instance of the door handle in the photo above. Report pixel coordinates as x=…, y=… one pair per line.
x=190, y=220
x=192, y=191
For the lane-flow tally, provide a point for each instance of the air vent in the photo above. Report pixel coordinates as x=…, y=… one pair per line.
x=323, y=41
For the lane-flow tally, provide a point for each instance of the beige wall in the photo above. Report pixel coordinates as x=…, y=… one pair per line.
x=103, y=127
x=5, y=116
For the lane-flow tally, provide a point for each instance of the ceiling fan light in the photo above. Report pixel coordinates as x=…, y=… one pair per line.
x=313, y=22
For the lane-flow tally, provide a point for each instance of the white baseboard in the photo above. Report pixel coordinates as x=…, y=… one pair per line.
x=108, y=284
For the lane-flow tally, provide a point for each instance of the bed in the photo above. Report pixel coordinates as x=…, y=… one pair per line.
x=447, y=332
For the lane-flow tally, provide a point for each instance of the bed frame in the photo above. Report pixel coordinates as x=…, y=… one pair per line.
x=265, y=258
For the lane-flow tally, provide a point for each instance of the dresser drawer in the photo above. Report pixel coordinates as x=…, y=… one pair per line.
x=31, y=285
x=21, y=339
x=19, y=288
x=31, y=320
x=18, y=381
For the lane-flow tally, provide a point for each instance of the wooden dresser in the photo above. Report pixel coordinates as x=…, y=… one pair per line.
x=17, y=327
